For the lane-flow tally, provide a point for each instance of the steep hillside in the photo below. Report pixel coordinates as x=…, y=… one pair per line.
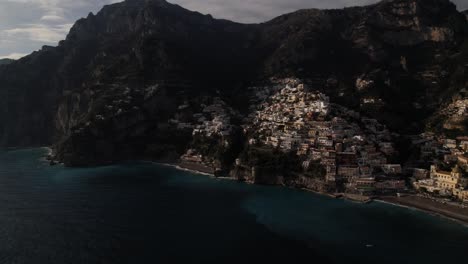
x=109, y=89
x=5, y=61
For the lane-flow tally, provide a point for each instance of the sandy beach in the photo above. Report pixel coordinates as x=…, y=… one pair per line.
x=182, y=168
x=445, y=210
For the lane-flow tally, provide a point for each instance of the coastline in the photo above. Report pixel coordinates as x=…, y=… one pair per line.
x=178, y=167
x=422, y=206
x=437, y=209
x=428, y=206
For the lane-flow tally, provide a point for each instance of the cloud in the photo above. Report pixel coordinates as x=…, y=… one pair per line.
x=255, y=11
x=14, y=56
x=52, y=18
x=26, y=25
x=39, y=32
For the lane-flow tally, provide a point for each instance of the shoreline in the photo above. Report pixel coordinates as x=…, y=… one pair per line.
x=178, y=167
x=436, y=209
x=394, y=201
x=417, y=203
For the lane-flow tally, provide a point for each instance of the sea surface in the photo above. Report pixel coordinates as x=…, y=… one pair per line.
x=140, y=212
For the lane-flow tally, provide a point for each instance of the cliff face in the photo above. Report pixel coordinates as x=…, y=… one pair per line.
x=133, y=43
x=108, y=90
x=5, y=61
x=29, y=94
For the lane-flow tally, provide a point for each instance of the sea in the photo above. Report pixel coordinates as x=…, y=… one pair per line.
x=141, y=212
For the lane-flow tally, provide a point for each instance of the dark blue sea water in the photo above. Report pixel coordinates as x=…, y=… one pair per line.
x=144, y=213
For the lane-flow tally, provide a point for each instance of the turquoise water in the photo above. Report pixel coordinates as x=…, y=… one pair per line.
x=145, y=213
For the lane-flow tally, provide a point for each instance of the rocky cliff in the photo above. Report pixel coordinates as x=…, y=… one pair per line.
x=5, y=61
x=108, y=91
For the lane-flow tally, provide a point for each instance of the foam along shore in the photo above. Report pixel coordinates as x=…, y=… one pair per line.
x=183, y=168
x=451, y=212
x=49, y=150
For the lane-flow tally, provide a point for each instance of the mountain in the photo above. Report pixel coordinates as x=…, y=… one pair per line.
x=108, y=91
x=5, y=61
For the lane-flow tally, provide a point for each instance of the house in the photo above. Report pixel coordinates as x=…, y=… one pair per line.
x=428, y=185
x=328, y=161
x=331, y=172
x=315, y=154
x=324, y=142
x=390, y=184
x=328, y=153
x=348, y=172
x=461, y=194
x=463, y=143
x=391, y=168
x=303, y=149
x=192, y=156
x=346, y=158
x=363, y=186
x=448, y=180
x=450, y=143
x=462, y=160
x=365, y=171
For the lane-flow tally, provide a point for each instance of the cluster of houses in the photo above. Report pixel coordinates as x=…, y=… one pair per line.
x=213, y=119
x=457, y=108
x=213, y=122
x=353, y=150
x=356, y=152
x=447, y=176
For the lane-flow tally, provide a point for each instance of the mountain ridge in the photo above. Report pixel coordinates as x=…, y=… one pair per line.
x=5, y=61
x=403, y=50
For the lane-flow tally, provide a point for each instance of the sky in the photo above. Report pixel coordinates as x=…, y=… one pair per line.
x=27, y=25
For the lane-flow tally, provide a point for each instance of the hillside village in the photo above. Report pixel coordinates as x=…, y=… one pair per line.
x=355, y=151
x=448, y=166
x=356, y=154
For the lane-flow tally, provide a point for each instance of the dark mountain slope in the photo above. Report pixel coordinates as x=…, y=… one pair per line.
x=405, y=55
x=400, y=46
x=5, y=61
x=131, y=43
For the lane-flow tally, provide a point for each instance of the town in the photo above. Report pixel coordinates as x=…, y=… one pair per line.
x=357, y=153
x=448, y=167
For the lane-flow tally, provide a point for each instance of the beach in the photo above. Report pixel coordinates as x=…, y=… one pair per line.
x=429, y=206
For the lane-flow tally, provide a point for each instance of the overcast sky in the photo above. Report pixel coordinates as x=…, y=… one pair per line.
x=27, y=25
